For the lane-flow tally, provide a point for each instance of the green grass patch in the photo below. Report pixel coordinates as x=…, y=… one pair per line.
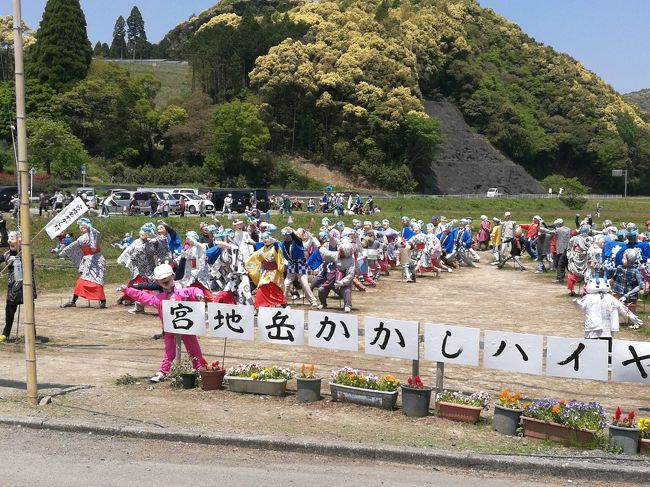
x=175, y=79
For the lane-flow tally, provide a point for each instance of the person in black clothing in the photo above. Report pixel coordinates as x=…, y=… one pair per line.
x=4, y=237
x=14, y=283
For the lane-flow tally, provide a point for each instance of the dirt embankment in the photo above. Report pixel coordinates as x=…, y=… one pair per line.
x=468, y=164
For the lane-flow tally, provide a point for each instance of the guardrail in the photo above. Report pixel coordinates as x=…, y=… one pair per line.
x=511, y=196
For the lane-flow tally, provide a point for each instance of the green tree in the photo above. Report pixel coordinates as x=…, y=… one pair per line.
x=52, y=147
x=118, y=46
x=239, y=135
x=137, y=44
x=62, y=52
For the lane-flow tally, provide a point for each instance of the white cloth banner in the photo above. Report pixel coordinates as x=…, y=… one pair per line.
x=231, y=321
x=184, y=317
x=336, y=331
x=281, y=325
x=66, y=217
x=576, y=358
x=391, y=338
x=631, y=361
x=516, y=352
x=451, y=344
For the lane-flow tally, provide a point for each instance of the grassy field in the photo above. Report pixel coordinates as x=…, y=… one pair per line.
x=53, y=273
x=176, y=79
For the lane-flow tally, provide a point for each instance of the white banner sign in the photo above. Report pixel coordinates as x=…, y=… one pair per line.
x=631, y=361
x=576, y=358
x=281, y=325
x=336, y=331
x=184, y=317
x=66, y=217
x=231, y=321
x=391, y=338
x=451, y=344
x=516, y=352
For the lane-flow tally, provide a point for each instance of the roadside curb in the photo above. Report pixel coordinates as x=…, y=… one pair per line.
x=603, y=468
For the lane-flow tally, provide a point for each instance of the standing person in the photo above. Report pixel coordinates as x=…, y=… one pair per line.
x=577, y=259
x=495, y=240
x=171, y=290
x=252, y=201
x=42, y=204
x=287, y=204
x=516, y=248
x=293, y=251
x=627, y=280
x=181, y=205
x=132, y=209
x=311, y=207
x=227, y=203
x=12, y=260
x=193, y=269
x=507, y=234
x=202, y=204
x=164, y=207
x=266, y=269
x=483, y=237
x=106, y=204
x=86, y=254
x=340, y=269
x=153, y=205
x=562, y=235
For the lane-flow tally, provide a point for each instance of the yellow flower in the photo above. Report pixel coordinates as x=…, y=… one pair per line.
x=254, y=375
x=644, y=424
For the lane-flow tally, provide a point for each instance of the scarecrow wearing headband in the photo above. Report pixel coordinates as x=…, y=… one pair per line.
x=11, y=258
x=85, y=253
x=193, y=269
x=266, y=269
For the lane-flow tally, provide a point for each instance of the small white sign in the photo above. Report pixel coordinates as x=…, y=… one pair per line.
x=576, y=358
x=66, y=217
x=231, y=321
x=184, y=317
x=451, y=344
x=336, y=331
x=516, y=352
x=391, y=338
x=631, y=361
x=281, y=325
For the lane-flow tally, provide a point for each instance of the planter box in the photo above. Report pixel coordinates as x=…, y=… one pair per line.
x=506, y=420
x=535, y=428
x=211, y=380
x=271, y=387
x=458, y=412
x=308, y=390
x=644, y=446
x=625, y=438
x=367, y=397
x=415, y=401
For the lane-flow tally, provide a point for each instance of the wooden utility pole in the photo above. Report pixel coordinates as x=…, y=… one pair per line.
x=25, y=220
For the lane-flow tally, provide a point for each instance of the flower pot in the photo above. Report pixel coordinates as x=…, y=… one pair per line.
x=506, y=420
x=308, y=389
x=625, y=438
x=367, y=397
x=211, y=380
x=458, y=412
x=269, y=387
x=415, y=401
x=189, y=380
x=536, y=428
x=644, y=446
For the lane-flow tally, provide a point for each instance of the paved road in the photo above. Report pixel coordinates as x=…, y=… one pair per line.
x=33, y=457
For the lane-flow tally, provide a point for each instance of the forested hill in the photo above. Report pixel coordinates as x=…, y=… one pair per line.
x=641, y=99
x=349, y=88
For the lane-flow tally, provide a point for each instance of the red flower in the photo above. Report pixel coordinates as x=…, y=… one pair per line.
x=617, y=414
x=215, y=364
x=630, y=415
x=410, y=381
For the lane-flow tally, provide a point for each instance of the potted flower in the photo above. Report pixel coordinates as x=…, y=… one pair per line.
x=308, y=385
x=211, y=375
x=460, y=407
x=644, y=426
x=415, y=397
x=624, y=433
x=350, y=385
x=183, y=373
x=566, y=421
x=507, y=413
x=256, y=379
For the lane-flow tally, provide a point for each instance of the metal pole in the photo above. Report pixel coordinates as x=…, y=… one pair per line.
x=625, y=195
x=440, y=377
x=28, y=278
x=177, y=344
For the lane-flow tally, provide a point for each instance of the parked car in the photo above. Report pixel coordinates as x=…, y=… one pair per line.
x=241, y=199
x=192, y=203
x=91, y=196
x=6, y=194
x=121, y=201
x=144, y=198
x=185, y=191
x=493, y=193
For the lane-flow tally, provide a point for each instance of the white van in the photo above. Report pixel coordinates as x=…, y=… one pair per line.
x=493, y=193
x=186, y=191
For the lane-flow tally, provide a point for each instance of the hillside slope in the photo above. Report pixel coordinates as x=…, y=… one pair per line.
x=641, y=99
x=468, y=163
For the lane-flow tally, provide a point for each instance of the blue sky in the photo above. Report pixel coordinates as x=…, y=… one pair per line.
x=611, y=38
